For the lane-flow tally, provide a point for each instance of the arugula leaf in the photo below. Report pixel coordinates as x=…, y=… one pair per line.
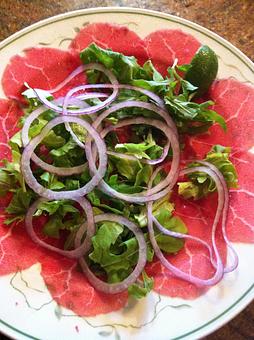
x=95, y=199
x=68, y=155
x=123, y=186
x=167, y=243
x=162, y=204
x=163, y=210
x=115, y=251
x=57, y=211
x=51, y=182
x=13, y=168
x=147, y=149
x=141, y=289
x=144, y=175
x=185, y=110
x=114, y=264
x=201, y=184
x=19, y=204
x=190, y=117
x=7, y=182
x=126, y=168
x=126, y=69
x=61, y=207
x=154, y=82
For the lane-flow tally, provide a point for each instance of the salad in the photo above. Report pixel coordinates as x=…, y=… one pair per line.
x=104, y=163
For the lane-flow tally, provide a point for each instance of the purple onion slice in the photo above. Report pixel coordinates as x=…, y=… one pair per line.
x=53, y=195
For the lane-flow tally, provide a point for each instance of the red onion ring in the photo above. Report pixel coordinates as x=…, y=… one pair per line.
x=81, y=69
x=113, y=288
x=132, y=103
x=235, y=263
x=60, y=171
x=219, y=265
x=41, y=94
x=88, y=227
x=150, y=94
x=47, y=193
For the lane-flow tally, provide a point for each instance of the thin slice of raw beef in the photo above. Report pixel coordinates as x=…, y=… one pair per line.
x=41, y=68
x=118, y=38
x=234, y=101
x=164, y=46
x=17, y=250
x=69, y=287
x=9, y=118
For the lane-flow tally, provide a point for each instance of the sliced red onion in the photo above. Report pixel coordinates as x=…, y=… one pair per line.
x=132, y=103
x=150, y=94
x=52, y=195
x=154, y=193
x=90, y=95
x=88, y=228
x=41, y=94
x=81, y=69
x=113, y=288
x=235, y=260
x=219, y=265
x=60, y=171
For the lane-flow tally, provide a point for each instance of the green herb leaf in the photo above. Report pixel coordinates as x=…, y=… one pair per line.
x=19, y=204
x=202, y=184
x=140, y=290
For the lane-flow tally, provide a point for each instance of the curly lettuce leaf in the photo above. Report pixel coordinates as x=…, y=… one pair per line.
x=201, y=184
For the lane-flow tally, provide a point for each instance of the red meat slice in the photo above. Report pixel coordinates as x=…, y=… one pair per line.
x=164, y=46
x=240, y=225
x=70, y=289
x=234, y=101
x=9, y=118
x=118, y=38
x=17, y=250
x=41, y=68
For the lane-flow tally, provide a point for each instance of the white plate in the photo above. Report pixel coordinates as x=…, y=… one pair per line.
x=208, y=312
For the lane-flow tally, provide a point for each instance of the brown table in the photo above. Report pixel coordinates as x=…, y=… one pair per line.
x=232, y=19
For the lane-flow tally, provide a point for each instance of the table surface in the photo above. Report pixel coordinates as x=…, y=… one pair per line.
x=232, y=19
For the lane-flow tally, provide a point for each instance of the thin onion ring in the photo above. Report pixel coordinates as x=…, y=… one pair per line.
x=47, y=193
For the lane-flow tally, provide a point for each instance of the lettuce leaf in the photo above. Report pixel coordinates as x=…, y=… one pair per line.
x=201, y=184
x=141, y=289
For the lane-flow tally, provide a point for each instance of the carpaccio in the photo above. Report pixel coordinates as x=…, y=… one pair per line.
x=44, y=68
